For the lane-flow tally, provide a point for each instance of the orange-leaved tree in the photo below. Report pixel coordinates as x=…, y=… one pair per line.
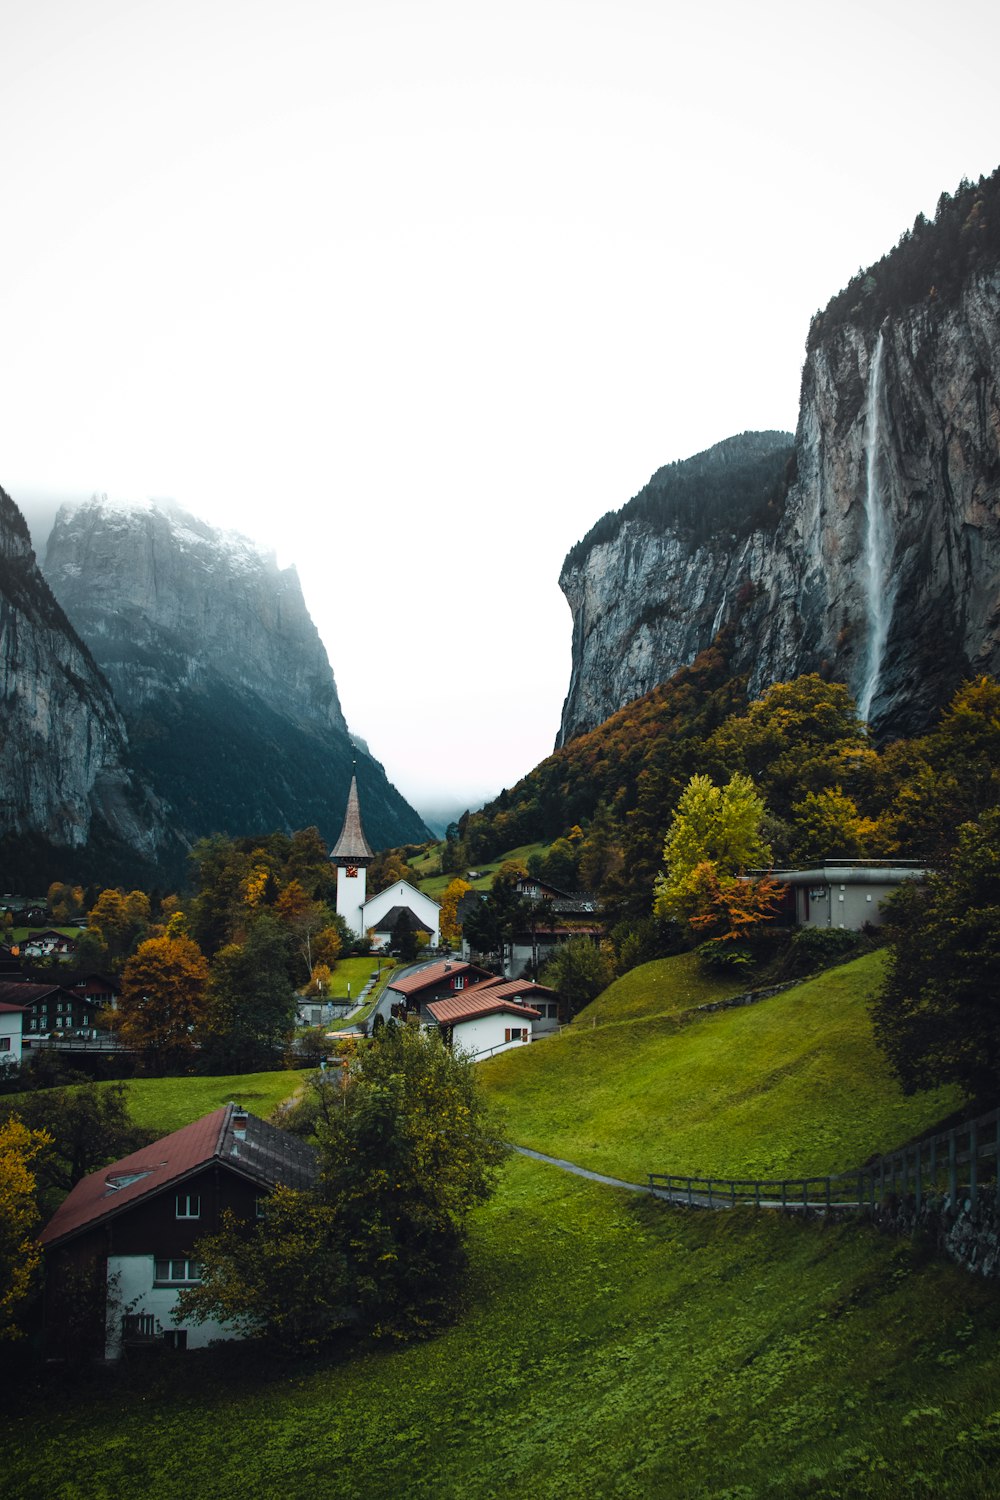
x=19, y=1251
x=163, y=1001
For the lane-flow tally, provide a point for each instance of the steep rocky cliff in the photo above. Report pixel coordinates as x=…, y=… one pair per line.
x=219, y=670
x=650, y=586
x=66, y=780
x=881, y=566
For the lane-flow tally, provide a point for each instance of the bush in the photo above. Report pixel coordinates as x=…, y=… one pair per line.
x=814, y=948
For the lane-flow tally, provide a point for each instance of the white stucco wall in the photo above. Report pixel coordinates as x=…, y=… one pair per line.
x=401, y=893
x=487, y=1032
x=131, y=1290
x=351, y=898
x=11, y=1023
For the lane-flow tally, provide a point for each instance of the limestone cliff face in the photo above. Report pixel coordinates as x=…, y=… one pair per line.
x=166, y=601
x=883, y=567
x=226, y=687
x=649, y=591
x=65, y=772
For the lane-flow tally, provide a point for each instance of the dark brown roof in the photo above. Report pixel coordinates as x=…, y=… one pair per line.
x=17, y=993
x=390, y=921
x=352, y=847
x=466, y=1007
x=242, y=1142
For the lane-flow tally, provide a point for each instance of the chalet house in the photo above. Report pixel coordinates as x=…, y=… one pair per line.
x=522, y=992
x=557, y=917
x=11, y=1022
x=134, y=1226
x=844, y=893
x=484, y=1023
x=51, y=1009
x=436, y=981
x=45, y=944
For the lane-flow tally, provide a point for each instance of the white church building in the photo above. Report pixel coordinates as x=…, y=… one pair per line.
x=380, y=915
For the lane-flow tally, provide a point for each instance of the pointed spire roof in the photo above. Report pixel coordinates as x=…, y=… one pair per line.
x=352, y=848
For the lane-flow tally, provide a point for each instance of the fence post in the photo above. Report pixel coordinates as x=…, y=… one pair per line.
x=690, y=1198
x=756, y=1192
x=732, y=1194
x=952, y=1169
x=828, y=1192
x=973, y=1161
x=710, y=1203
x=784, y=1194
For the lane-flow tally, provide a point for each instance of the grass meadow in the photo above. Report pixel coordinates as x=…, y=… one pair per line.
x=790, y=1086
x=605, y=1344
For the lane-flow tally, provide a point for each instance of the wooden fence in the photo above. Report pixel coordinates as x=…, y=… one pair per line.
x=953, y=1163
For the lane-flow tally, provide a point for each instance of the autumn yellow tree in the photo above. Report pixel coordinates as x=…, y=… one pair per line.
x=451, y=929
x=163, y=1000
x=19, y=1250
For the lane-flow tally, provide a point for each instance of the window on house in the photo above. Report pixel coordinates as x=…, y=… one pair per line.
x=175, y=1338
x=261, y=1207
x=188, y=1206
x=514, y=1034
x=176, y=1272
x=4, y=1043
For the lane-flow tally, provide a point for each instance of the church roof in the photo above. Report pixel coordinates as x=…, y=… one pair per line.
x=390, y=921
x=352, y=847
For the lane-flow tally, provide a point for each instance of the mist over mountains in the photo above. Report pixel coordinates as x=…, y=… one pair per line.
x=188, y=660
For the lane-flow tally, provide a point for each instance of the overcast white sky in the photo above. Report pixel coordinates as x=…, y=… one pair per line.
x=415, y=291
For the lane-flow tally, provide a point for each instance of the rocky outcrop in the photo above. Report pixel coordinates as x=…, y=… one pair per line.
x=66, y=778
x=225, y=685
x=882, y=568
x=649, y=590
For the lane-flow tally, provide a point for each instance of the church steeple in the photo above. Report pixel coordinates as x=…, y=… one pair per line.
x=352, y=854
x=352, y=848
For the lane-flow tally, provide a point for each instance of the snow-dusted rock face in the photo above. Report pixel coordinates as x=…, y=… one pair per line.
x=65, y=773
x=164, y=600
x=222, y=677
x=883, y=569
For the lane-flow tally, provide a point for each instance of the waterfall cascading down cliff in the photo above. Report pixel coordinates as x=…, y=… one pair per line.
x=878, y=592
x=881, y=570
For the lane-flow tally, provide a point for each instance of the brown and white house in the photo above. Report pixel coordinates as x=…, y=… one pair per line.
x=132, y=1228
x=435, y=981
x=481, y=1025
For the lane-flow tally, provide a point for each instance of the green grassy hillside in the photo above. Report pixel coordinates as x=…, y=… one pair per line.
x=165, y=1104
x=434, y=884
x=608, y=1347
x=606, y=1344
x=790, y=1086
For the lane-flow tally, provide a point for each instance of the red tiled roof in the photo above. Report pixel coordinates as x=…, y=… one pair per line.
x=257, y=1149
x=509, y=989
x=164, y=1161
x=433, y=974
x=7, y=1009
x=470, y=1008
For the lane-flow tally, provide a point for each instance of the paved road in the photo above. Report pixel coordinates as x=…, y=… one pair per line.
x=719, y=1200
x=386, y=999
